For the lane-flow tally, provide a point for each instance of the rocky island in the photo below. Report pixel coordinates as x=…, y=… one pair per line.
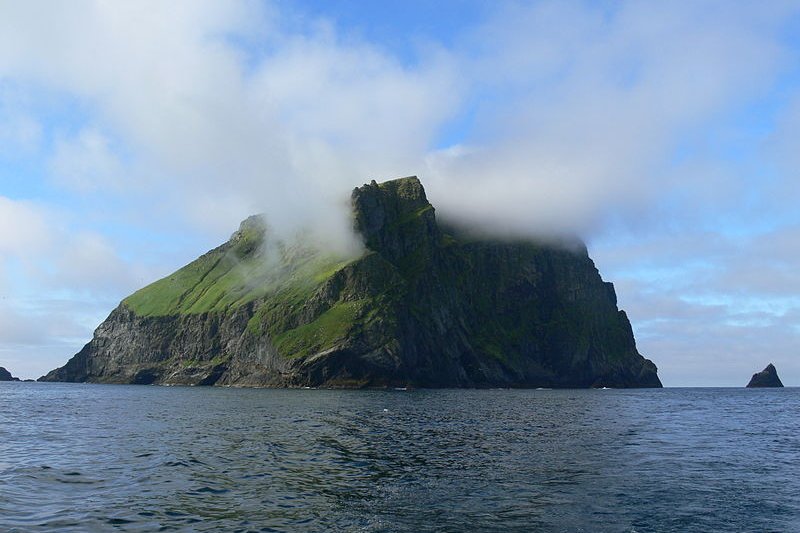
x=766, y=378
x=424, y=305
x=5, y=375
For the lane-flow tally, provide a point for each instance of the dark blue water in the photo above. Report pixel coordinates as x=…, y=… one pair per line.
x=138, y=458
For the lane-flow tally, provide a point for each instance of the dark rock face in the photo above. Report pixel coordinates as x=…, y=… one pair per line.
x=5, y=375
x=766, y=378
x=423, y=306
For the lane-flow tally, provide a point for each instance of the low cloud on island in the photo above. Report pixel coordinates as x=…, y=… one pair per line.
x=134, y=137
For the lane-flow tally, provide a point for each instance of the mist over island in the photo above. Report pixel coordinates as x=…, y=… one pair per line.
x=418, y=307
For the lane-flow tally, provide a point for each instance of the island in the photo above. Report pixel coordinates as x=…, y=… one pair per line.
x=766, y=378
x=425, y=304
x=5, y=375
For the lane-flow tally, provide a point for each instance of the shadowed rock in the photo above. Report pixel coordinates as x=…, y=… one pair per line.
x=424, y=305
x=766, y=378
x=5, y=375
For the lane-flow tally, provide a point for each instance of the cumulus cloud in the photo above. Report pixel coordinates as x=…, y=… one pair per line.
x=20, y=133
x=16, y=327
x=43, y=248
x=782, y=150
x=219, y=130
x=579, y=109
x=596, y=103
x=86, y=162
x=56, y=284
x=90, y=262
x=24, y=229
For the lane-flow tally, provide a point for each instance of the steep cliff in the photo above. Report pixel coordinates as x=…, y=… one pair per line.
x=422, y=306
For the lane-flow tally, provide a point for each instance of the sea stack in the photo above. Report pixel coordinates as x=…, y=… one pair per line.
x=5, y=375
x=766, y=378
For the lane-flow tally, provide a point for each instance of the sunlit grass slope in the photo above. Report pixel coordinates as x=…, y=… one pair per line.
x=246, y=268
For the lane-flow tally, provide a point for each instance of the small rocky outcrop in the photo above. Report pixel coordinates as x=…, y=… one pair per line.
x=5, y=375
x=424, y=305
x=766, y=378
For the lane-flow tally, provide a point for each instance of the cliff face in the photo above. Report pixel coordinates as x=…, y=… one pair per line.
x=422, y=306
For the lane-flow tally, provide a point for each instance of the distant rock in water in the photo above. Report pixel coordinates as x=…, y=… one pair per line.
x=766, y=378
x=424, y=305
x=5, y=375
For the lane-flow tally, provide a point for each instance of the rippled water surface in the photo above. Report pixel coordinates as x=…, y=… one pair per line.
x=138, y=458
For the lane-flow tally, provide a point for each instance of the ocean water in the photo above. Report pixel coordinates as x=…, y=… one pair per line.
x=143, y=458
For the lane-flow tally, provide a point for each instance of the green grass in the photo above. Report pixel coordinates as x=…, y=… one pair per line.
x=170, y=295
x=324, y=271
x=412, y=216
x=323, y=333
x=278, y=311
x=233, y=275
x=491, y=347
x=195, y=363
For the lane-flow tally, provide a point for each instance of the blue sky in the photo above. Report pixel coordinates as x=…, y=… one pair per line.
x=135, y=137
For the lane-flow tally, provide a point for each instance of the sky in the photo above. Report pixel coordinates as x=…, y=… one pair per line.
x=136, y=136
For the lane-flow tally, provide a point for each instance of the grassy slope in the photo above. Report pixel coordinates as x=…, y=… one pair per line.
x=326, y=331
x=232, y=275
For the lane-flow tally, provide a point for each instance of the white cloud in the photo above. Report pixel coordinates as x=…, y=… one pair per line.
x=216, y=131
x=782, y=150
x=56, y=283
x=594, y=103
x=579, y=108
x=47, y=251
x=86, y=162
x=90, y=262
x=15, y=328
x=20, y=132
x=23, y=228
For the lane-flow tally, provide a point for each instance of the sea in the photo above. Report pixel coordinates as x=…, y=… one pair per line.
x=81, y=457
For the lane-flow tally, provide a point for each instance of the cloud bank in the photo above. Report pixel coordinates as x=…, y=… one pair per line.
x=572, y=113
x=214, y=111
